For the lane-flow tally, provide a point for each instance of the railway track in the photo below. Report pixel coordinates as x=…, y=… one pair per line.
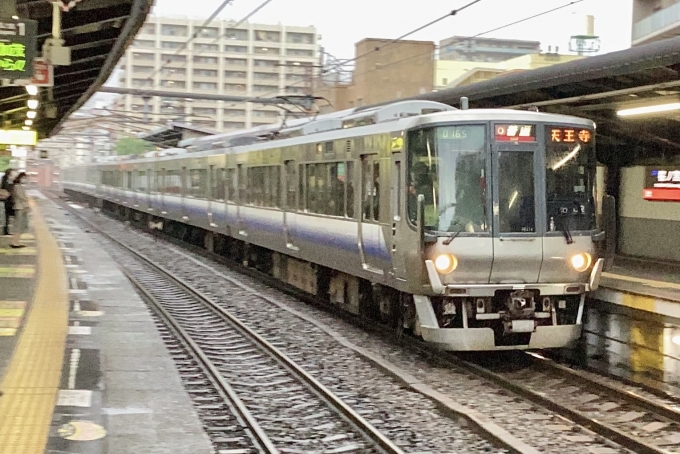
x=283, y=407
x=644, y=424
x=653, y=431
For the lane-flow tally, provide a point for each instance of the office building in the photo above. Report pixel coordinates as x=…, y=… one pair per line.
x=654, y=20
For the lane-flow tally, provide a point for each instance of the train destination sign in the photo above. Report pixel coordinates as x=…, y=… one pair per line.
x=515, y=133
x=568, y=135
x=662, y=184
x=17, y=48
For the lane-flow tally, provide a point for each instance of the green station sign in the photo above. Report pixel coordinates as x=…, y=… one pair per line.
x=18, y=42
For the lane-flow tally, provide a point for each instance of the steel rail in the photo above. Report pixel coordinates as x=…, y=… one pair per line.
x=359, y=423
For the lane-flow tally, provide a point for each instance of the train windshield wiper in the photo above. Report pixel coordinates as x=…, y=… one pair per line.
x=450, y=236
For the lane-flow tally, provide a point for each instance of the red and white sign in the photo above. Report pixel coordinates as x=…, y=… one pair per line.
x=662, y=194
x=43, y=73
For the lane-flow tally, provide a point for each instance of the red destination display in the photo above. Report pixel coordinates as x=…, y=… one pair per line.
x=515, y=133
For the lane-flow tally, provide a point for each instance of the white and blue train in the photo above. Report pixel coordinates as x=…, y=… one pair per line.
x=475, y=229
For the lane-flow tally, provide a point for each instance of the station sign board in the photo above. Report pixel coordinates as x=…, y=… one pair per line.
x=18, y=137
x=18, y=42
x=662, y=183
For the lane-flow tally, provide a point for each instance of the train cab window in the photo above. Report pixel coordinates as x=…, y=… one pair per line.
x=447, y=165
x=197, y=186
x=516, y=201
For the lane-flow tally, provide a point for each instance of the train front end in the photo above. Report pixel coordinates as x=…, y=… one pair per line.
x=504, y=212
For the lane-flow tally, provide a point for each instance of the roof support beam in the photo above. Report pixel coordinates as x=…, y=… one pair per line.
x=173, y=94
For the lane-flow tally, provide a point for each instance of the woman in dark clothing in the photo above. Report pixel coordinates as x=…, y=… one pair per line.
x=6, y=184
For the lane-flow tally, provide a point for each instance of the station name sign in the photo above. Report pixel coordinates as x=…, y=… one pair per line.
x=662, y=184
x=18, y=42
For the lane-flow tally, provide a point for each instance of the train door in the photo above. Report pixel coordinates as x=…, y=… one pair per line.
x=397, y=191
x=242, y=184
x=290, y=204
x=517, y=246
x=369, y=227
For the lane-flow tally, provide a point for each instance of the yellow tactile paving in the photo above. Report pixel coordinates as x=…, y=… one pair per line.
x=648, y=282
x=31, y=383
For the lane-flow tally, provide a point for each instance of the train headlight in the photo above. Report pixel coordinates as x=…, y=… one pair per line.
x=581, y=262
x=445, y=263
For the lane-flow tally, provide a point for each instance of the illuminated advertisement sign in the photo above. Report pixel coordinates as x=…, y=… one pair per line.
x=17, y=48
x=18, y=137
x=515, y=133
x=662, y=184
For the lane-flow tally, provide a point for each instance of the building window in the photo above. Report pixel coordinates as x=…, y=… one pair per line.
x=144, y=43
x=174, y=30
x=232, y=33
x=149, y=29
x=205, y=123
x=205, y=85
x=173, y=84
x=300, y=52
x=174, y=72
x=235, y=61
x=171, y=44
x=205, y=72
x=204, y=111
x=207, y=32
x=235, y=74
x=268, y=36
x=206, y=60
x=206, y=47
x=173, y=58
x=265, y=113
x=265, y=63
x=142, y=69
x=236, y=49
x=256, y=124
x=142, y=56
x=300, y=38
x=267, y=50
x=142, y=83
x=264, y=88
x=235, y=87
x=234, y=112
x=266, y=76
x=234, y=125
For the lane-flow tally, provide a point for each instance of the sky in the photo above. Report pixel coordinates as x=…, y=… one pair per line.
x=343, y=23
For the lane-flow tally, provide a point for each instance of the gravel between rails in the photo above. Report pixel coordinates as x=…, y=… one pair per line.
x=355, y=378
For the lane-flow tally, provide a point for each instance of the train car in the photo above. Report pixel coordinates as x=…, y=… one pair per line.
x=475, y=229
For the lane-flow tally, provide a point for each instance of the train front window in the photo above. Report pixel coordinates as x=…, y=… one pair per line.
x=570, y=179
x=447, y=165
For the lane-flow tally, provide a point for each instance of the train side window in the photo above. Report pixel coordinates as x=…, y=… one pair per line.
x=302, y=180
x=128, y=180
x=266, y=186
x=231, y=185
x=242, y=184
x=221, y=185
x=349, y=185
x=311, y=189
x=197, y=186
x=173, y=182
x=376, y=190
x=275, y=181
x=337, y=188
x=150, y=177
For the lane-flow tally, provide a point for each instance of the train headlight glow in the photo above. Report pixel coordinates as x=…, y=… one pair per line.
x=445, y=263
x=581, y=262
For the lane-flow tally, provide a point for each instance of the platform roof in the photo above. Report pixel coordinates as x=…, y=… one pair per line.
x=169, y=136
x=596, y=88
x=98, y=32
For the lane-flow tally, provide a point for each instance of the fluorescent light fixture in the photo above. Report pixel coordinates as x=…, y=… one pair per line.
x=26, y=128
x=649, y=109
x=33, y=104
x=28, y=122
x=31, y=114
x=32, y=90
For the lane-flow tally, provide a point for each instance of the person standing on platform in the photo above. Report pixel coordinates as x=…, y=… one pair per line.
x=6, y=184
x=20, y=210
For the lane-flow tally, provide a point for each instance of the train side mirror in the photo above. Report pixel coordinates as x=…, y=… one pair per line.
x=424, y=238
x=609, y=227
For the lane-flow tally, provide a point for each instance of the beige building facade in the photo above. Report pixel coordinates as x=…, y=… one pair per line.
x=654, y=20
x=245, y=60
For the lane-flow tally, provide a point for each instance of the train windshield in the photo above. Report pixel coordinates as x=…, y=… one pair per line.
x=447, y=165
x=570, y=178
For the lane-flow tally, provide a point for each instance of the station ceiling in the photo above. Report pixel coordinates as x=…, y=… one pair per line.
x=98, y=32
x=596, y=88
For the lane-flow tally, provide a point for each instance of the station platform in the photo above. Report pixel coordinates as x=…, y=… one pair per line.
x=82, y=366
x=641, y=284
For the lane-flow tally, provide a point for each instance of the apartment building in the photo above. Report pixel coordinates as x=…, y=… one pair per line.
x=244, y=60
x=654, y=20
